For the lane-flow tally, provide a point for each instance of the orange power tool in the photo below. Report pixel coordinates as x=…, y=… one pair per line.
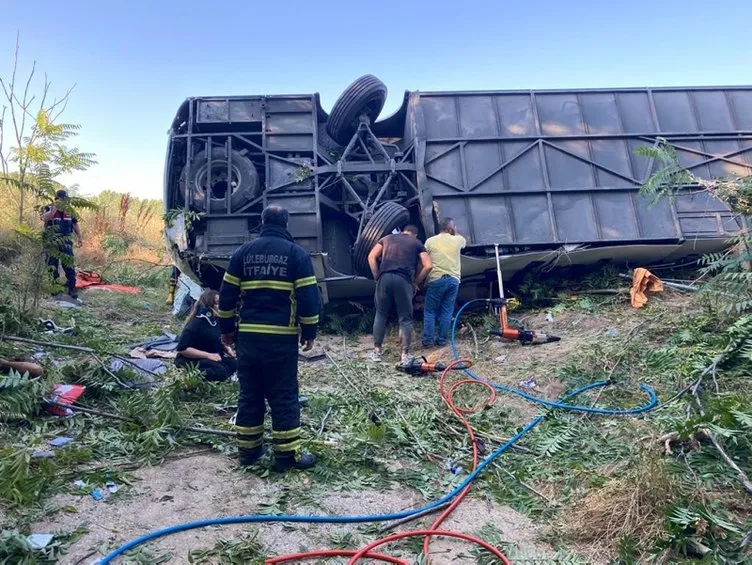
x=505, y=331
x=421, y=366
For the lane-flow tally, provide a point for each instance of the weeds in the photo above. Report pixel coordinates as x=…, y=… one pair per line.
x=246, y=550
x=14, y=548
x=631, y=506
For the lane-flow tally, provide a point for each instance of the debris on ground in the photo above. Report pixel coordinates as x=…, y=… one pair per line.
x=315, y=354
x=91, y=280
x=145, y=368
x=528, y=383
x=64, y=394
x=60, y=441
x=39, y=541
x=374, y=429
x=53, y=328
x=643, y=281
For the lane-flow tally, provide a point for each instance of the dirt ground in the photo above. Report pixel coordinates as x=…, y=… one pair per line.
x=211, y=485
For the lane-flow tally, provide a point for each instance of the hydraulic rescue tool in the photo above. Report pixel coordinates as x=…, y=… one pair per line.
x=522, y=335
x=420, y=366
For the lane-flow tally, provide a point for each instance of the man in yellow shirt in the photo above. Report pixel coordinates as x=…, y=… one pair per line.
x=443, y=282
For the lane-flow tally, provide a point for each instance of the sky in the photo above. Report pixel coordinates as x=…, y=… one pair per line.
x=134, y=62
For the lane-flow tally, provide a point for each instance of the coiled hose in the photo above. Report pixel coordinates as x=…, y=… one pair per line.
x=458, y=491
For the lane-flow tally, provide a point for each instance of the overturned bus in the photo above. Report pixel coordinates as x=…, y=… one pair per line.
x=551, y=177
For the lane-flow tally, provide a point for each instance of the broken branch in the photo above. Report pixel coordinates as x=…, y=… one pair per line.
x=88, y=350
x=104, y=414
x=740, y=475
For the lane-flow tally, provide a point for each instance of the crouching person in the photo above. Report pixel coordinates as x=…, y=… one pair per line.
x=201, y=341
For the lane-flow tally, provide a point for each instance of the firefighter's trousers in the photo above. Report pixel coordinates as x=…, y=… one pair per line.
x=268, y=370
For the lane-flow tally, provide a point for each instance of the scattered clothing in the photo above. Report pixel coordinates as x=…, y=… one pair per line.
x=141, y=353
x=88, y=278
x=165, y=342
x=51, y=327
x=64, y=394
x=60, y=441
x=66, y=304
x=146, y=369
x=643, y=281
x=160, y=347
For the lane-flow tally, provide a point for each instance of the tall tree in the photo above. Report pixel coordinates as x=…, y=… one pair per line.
x=33, y=150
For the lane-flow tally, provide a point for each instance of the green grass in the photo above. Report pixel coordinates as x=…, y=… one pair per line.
x=374, y=419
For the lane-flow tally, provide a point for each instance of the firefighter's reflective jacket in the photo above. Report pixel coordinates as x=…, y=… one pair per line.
x=269, y=288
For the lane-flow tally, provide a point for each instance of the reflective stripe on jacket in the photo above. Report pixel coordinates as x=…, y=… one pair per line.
x=270, y=288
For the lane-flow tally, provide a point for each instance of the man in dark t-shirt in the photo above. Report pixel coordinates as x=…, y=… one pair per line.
x=399, y=263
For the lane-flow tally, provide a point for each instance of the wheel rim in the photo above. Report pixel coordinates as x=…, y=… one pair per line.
x=216, y=180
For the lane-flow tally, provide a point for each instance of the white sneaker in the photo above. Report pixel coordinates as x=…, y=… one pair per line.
x=375, y=356
x=405, y=358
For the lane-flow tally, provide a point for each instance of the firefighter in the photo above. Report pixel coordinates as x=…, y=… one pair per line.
x=270, y=287
x=60, y=224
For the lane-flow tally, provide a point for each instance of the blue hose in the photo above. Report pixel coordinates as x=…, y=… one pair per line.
x=652, y=398
x=321, y=519
x=406, y=513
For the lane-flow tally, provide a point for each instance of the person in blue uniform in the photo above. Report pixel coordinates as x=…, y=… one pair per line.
x=60, y=224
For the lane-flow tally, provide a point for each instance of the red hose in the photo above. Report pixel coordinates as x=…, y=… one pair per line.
x=428, y=534
x=447, y=397
x=332, y=553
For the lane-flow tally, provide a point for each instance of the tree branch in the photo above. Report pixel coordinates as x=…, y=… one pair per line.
x=740, y=475
x=103, y=414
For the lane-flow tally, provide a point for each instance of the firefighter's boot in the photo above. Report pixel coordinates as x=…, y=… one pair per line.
x=250, y=457
x=285, y=461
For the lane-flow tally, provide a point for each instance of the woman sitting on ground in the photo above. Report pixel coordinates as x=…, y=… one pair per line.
x=201, y=344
